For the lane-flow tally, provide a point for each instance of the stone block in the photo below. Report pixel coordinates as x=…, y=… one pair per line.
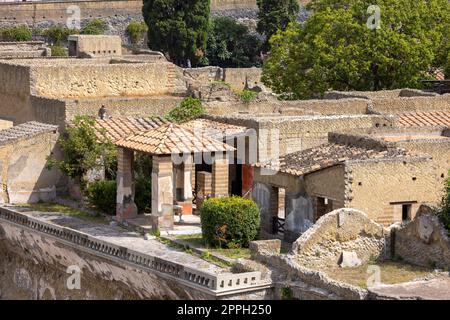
x=349, y=260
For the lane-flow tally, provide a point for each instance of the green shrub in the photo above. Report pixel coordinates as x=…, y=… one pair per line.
x=58, y=34
x=229, y=220
x=143, y=194
x=95, y=27
x=189, y=109
x=247, y=96
x=444, y=212
x=20, y=33
x=82, y=151
x=58, y=51
x=102, y=194
x=136, y=31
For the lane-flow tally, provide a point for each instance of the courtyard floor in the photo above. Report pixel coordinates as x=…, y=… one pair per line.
x=390, y=273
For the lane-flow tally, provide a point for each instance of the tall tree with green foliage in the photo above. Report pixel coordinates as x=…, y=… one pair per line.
x=340, y=48
x=275, y=15
x=178, y=28
x=230, y=45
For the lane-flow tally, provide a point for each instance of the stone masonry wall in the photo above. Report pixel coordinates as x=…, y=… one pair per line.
x=73, y=80
x=328, y=183
x=338, y=231
x=23, y=173
x=424, y=242
x=376, y=187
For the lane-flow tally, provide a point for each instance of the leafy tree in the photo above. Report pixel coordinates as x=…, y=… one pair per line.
x=231, y=45
x=335, y=48
x=275, y=15
x=178, y=28
x=189, y=109
x=82, y=151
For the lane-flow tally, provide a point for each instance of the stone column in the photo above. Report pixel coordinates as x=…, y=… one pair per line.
x=203, y=187
x=189, y=178
x=162, y=193
x=126, y=208
x=220, y=177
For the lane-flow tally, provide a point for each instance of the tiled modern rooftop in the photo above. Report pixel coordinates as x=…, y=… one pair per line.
x=328, y=155
x=116, y=128
x=24, y=130
x=424, y=119
x=171, y=138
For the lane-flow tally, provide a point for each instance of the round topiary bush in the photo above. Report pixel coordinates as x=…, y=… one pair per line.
x=230, y=221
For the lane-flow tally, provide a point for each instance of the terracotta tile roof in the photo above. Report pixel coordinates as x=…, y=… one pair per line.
x=116, y=128
x=214, y=129
x=25, y=130
x=424, y=119
x=172, y=138
x=325, y=156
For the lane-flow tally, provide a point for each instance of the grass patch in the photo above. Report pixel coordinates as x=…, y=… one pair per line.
x=391, y=272
x=52, y=207
x=196, y=241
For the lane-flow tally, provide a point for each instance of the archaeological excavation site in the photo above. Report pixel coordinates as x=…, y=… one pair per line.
x=206, y=150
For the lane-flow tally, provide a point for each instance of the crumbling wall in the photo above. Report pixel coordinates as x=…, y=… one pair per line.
x=342, y=230
x=103, y=79
x=424, y=241
x=304, y=283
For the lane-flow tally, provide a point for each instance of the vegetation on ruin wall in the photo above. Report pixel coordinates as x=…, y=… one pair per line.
x=247, y=96
x=58, y=51
x=178, y=28
x=336, y=49
x=231, y=45
x=189, y=109
x=94, y=27
x=274, y=15
x=136, y=31
x=445, y=209
x=19, y=33
x=229, y=222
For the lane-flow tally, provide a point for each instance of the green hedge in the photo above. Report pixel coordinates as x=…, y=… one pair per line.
x=102, y=194
x=230, y=221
